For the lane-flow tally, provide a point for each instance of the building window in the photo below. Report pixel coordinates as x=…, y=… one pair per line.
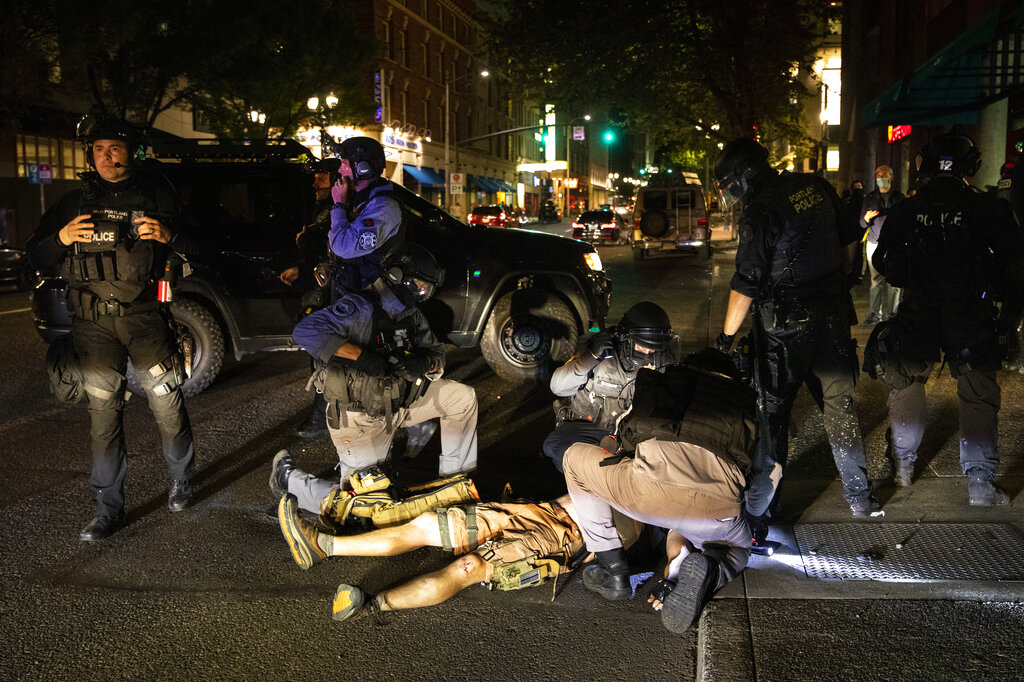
x=426, y=113
x=200, y=123
x=425, y=61
x=438, y=68
x=439, y=22
x=401, y=106
x=439, y=128
x=403, y=54
x=66, y=158
x=386, y=38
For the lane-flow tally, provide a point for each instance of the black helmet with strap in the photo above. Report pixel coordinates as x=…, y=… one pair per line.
x=737, y=164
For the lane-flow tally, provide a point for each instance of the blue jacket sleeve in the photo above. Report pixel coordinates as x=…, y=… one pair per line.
x=349, y=320
x=362, y=235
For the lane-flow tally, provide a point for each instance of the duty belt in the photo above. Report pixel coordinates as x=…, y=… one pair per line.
x=88, y=305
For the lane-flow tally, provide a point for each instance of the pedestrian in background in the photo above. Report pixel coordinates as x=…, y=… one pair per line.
x=883, y=298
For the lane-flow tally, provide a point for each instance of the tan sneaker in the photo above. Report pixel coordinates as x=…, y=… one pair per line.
x=308, y=545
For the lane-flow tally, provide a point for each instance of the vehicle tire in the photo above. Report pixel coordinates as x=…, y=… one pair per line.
x=528, y=333
x=194, y=325
x=654, y=223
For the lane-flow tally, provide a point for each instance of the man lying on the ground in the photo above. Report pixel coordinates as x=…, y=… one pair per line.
x=497, y=543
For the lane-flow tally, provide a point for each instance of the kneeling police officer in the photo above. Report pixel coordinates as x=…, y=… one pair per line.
x=113, y=238
x=379, y=367
x=599, y=379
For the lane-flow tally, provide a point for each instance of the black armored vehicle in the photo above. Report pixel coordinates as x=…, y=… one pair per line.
x=524, y=297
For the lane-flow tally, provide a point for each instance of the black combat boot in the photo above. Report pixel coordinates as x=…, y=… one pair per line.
x=695, y=585
x=101, y=527
x=982, y=489
x=610, y=576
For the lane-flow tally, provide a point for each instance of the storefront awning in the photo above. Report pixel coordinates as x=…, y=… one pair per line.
x=982, y=65
x=425, y=176
x=502, y=185
x=482, y=184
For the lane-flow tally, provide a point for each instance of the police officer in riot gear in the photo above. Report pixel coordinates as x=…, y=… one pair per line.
x=113, y=238
x=366, y=220
x=954, y=251
x=600, y=377
x=796, y=249
x=380, y=368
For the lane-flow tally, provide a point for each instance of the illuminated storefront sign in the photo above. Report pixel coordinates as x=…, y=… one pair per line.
x=392, y=140
x=897, y=133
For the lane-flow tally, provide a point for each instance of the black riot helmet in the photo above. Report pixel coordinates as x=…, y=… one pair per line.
x=952, y=153
x=365, y=155
x=737, y=164
x=98, y=125
x=412, y=273
x=645, y=337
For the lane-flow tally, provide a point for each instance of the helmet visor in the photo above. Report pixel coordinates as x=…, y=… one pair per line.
x=730, y=191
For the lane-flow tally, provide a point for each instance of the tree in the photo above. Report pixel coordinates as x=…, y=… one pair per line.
x=671, y=66
x=223, y=57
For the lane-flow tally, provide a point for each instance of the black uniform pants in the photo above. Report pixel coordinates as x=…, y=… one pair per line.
x=103, y=347
x=787, y=356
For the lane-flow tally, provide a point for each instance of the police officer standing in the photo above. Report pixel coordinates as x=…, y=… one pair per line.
x=381, y=369
x=953, y=250
x=312, y=246
x=600, y=377
x=366, y=220
x=113, y=238
x=796, y=249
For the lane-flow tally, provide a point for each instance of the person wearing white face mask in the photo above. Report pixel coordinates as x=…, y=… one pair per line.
x=883, y=298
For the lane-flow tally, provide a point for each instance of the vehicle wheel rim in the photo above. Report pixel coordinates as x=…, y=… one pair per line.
x=525, y=341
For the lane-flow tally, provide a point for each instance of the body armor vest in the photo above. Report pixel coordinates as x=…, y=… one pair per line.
x=116, y=265
x=607, y=394
x=348, y=389
x=694, y=406
x=803, y=225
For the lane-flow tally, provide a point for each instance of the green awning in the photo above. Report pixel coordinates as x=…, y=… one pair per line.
x=983, y=64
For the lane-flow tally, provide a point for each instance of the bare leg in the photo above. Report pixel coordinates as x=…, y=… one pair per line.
x=420, y=532
x=434, y=588
x=677, y=548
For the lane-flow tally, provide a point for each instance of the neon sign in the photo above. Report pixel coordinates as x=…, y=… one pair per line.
x=897, y=133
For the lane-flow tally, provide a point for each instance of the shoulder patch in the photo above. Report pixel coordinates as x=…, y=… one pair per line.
x=367, y=222
x=368, y=240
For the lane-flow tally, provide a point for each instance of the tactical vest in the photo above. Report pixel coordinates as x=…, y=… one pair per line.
x=693, y=406
x=347, y=389
x=607, y=394
x=352, y=274
x=116, y=265
x=802, y=224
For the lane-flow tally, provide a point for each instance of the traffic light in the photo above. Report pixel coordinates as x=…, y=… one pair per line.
x=609, y=136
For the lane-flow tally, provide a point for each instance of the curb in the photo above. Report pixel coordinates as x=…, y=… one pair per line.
x=725, y=647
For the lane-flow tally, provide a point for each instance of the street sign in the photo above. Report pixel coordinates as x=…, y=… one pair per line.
x=45, y=174
x=456, y=186
x=579, y=133
x=33, y=173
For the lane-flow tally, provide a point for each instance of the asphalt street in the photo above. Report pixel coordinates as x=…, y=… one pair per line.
x=212, y=592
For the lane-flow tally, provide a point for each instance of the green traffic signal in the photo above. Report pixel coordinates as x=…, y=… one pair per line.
x=609, y=136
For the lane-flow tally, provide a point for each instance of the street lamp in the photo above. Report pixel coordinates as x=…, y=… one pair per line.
x=448, y=82
x=568, y=156
x=313, y=104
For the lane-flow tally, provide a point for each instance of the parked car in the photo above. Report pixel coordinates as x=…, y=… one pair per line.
x=491, y=216
x=549, y=213
x=524, y=297
x=670, y=215
x=15, y=268
x=600, y=227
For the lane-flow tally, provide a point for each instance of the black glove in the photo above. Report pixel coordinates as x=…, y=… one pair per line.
x=412, y=366
x=601, y=345
x=371, y=362
x=724, y=342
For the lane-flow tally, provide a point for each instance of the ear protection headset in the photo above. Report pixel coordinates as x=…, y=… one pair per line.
x=951, y=153
x=362, y=170
x=365, y=156
x=98, y=126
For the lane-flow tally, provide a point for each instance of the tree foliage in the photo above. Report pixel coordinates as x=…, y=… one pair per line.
x=670, y=66
x=224, y=58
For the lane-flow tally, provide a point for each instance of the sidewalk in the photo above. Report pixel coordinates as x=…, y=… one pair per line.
x=932, y=590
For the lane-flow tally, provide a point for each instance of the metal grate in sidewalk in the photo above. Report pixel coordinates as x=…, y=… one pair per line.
x=910, y=552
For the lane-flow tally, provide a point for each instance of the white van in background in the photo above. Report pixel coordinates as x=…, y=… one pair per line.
x=670, y=215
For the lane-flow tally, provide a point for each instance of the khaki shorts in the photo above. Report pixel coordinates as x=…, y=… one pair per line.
x=514, y=531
